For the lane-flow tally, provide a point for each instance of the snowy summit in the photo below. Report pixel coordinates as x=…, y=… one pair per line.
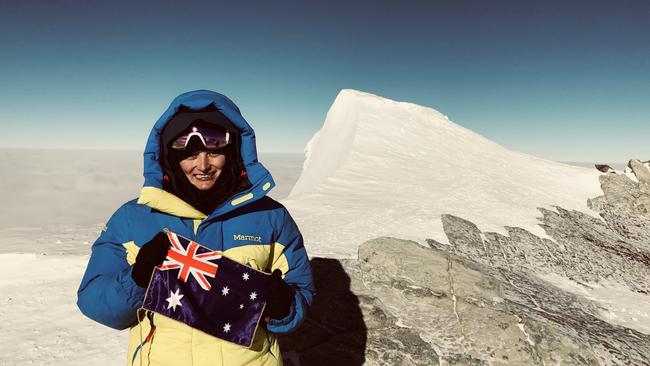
x=379, y=167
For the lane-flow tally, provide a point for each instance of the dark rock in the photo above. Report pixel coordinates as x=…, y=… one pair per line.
x=604, y=168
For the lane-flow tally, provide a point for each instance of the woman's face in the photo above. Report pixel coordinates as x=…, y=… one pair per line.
x=203, y=168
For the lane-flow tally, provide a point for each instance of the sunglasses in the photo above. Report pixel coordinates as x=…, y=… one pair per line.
x=211, y=137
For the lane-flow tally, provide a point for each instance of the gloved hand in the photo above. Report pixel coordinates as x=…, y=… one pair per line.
x=152, y=254
x=278, y=302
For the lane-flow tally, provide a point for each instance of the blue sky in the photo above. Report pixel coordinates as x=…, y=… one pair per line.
x=564, y=80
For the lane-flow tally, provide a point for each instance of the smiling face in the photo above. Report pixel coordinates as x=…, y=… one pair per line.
x=203, y=168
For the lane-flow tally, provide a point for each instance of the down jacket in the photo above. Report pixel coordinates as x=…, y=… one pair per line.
x=250, y=228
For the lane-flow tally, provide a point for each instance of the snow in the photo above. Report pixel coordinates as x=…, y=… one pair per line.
x=618, y=305
x=41, y=324
x=384, y=168
x=379, y=167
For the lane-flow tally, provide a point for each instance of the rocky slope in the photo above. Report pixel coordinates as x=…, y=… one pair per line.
x=483, y=299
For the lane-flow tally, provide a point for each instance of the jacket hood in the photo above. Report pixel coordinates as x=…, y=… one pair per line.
x=156, y=197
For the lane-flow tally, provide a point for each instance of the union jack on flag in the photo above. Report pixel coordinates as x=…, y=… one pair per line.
x=190, y=262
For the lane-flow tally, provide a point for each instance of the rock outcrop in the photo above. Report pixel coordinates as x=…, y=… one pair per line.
x=411, y=305
x=640, y=169
x=482, y=299
x=625, y=205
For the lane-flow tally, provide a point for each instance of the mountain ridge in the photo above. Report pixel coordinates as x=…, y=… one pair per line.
x=379, y=167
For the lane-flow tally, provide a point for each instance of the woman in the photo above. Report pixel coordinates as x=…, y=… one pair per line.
x=202, y=181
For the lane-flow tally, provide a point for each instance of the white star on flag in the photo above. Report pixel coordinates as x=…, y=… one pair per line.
x=245, y=276
x=226, y=328
x=253, y=295
x=174, y=299
x=225, y=291
x=241, y=306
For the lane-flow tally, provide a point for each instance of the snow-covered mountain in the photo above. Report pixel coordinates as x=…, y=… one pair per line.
x=379, y=167
x=517, y=268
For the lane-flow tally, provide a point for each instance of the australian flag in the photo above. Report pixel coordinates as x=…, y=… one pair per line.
x=207, y=291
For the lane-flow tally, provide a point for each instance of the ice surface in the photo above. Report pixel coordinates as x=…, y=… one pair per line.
x=41, y=324
x=384, y=168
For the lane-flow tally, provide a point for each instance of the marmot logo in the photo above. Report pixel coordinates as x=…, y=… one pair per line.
x=247, y=237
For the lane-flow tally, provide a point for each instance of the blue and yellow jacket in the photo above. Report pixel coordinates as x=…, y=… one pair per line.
x=250, y=228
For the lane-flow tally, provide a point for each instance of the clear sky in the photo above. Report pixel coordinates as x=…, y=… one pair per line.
x=564, y=80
